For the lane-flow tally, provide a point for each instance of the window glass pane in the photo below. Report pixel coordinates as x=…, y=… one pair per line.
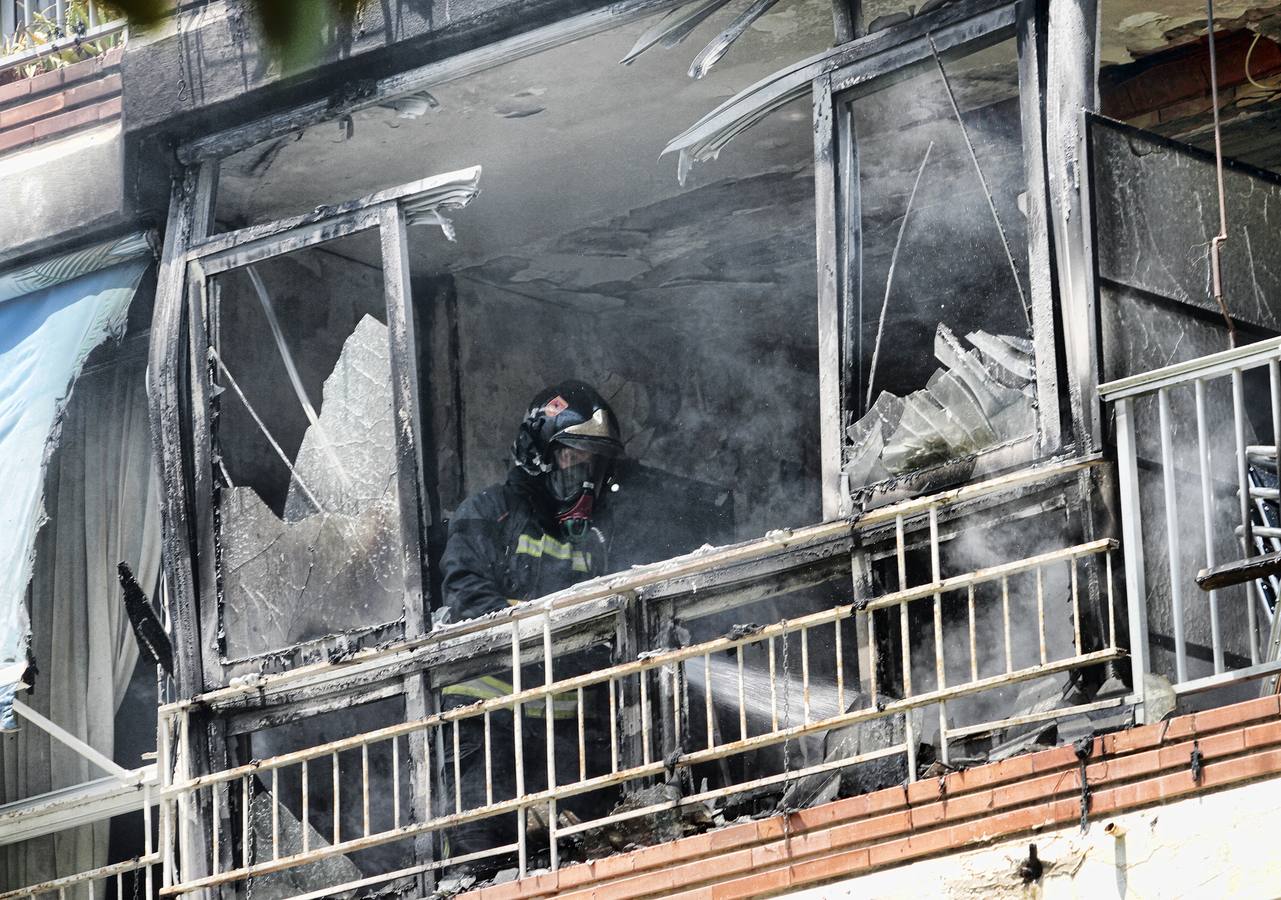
x=308, y=512
x=941, y=356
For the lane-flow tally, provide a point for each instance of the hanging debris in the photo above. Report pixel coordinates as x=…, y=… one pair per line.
x=980, y=398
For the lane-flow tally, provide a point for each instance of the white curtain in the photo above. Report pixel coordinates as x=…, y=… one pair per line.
x=103, y=505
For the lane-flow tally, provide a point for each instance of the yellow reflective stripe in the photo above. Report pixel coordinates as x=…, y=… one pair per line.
x=487, y=687
x=547, y=545
x=564, y=706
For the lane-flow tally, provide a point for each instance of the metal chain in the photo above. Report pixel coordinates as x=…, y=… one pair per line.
x=787, y=706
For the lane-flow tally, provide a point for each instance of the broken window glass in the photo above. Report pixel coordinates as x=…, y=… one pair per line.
x=941, y=365
x=304, y=450
x=691, y=308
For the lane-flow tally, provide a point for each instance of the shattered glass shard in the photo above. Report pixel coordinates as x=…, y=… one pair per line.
x=356, y=421
x=315, y=573
x=980, y=397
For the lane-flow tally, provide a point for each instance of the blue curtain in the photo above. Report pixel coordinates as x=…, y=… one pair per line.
x=45, y=337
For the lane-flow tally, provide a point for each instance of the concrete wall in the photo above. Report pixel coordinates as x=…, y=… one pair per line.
x=62, y=161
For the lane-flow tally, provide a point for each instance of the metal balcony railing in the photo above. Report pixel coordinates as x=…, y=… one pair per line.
x=1197, y=448
x=30, y=829
x=33, y=30
x=672, y=705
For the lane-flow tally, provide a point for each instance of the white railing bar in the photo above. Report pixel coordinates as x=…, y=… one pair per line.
x=940, y=668
x=1030, y=718
x=612, y=586
x=131, y=865
x=1210, y=682
x=60, y=734
x=1174, y=554
x=1207, y=518
x=1212, y=366
x=652, y=661
x=1132, y=537
x=35, y=54
x=1248, y=547
x=522, y=849
x=522, y=802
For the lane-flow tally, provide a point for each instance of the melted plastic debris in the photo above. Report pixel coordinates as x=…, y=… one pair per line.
x=979, y=398
x=317, y=571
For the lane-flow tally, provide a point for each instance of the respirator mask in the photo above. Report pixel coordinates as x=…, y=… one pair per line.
x=573, y=484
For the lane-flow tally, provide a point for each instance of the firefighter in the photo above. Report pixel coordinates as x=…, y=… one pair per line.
x=537, y=533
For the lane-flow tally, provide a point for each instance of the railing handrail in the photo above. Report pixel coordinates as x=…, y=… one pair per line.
x=35, y=54
x=641, y=577
x=1213, y=365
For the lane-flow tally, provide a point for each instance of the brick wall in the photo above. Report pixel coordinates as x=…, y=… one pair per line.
x=1133, y=769
x=57, y=103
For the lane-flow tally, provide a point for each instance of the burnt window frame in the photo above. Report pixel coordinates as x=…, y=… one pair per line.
x=862, y=59
x=962, y=27
x=189, y=272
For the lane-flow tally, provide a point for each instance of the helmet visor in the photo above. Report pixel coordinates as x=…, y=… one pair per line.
x=577, y=471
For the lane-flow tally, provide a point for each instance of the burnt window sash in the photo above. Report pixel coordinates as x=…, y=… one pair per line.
x=887, y=56
x=386, y=214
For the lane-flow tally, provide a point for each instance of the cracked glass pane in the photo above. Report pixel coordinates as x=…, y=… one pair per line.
x=941, y=362
x=305, y=452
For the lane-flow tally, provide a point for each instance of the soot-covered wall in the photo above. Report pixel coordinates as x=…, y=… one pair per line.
x=694, y=315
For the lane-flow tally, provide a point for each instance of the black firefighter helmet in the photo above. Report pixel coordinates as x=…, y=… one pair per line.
x=569, y=415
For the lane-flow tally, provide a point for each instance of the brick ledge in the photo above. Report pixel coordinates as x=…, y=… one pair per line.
x=1126, y=770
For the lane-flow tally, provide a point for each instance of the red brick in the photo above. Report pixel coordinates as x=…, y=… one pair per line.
x=15, y=91
x=110, y=109
x=704, y=893
x=64, y=122
x=811, y=843
x=1243, y=768
x=828, y=868
x=1036, y=790
x=50, y=81
x=736, y=836
x=991, y=774
x=615, y=866
x=1058, y=758
x=894, y=798
x=1143, y=737
x=1263, y=735
x=928, y=815
x=17, y=137
x=827, y=813
x=771, y=854
x=775, y=826
x=889, y=853
x=754, y=885
x=105, y=86
x=1237, y=714
x=927, y=790
x=871, y=829
x=719, y=866
x=933, y=842
x=29, y=112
